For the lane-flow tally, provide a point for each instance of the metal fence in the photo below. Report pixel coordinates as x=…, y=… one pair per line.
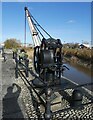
x=40, y=87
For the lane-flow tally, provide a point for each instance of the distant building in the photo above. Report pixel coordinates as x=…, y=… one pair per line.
x=27, y=45
x=82, y=46
x=2, y=44
x=86, y=46
x=1, y=47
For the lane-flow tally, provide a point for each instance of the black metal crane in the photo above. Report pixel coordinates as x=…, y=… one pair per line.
x=48, y=64
x=47, y=52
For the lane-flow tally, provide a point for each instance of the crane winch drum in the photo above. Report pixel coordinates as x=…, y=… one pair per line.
x=48, y=56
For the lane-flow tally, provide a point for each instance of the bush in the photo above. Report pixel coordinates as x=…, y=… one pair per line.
x=12, y=43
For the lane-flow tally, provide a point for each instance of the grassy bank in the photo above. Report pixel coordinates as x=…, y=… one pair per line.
x=80, y=56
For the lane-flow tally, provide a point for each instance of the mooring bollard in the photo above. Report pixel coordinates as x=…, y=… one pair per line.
x=16, y=69
x=26, y=69
x=76, y=100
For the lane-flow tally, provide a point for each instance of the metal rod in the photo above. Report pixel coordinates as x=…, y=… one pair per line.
x=40, y=26
x=16, y=69
x=55, y=103
x=39, y=31
x=31, y=72
x=43, y=103
x=26, y=68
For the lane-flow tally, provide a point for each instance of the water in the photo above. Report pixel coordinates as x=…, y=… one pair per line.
x=79, y=74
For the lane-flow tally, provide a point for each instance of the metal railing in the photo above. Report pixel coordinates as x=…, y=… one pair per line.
x=22, y=69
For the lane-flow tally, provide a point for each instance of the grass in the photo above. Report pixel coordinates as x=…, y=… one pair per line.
x=29, y=52
x=84, y=54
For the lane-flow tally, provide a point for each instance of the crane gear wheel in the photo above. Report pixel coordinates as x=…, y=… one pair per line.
x=37, y=59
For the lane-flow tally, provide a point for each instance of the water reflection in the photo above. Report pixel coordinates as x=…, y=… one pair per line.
x=83, y=69
x=78, y=73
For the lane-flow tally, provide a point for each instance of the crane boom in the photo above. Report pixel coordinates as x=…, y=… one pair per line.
x=34, y=33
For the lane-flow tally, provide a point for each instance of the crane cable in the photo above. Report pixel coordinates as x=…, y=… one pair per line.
x=40, y=26
x=39, y=30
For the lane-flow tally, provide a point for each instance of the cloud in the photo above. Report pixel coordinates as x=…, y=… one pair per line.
x=71, y=21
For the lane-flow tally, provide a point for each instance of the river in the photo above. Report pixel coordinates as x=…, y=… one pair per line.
x=79, y=74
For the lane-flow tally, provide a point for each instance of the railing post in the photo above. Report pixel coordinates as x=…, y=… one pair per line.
x=26, y=69
x=16, y=68
x=13, y=55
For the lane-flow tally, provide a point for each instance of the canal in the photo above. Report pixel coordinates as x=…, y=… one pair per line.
x=79, y=74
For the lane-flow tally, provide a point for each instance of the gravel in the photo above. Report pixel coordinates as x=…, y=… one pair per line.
x=27, y=97
x=33, y=110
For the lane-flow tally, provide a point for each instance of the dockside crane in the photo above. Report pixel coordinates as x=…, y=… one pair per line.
x=47, y=52
x=48, y=61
